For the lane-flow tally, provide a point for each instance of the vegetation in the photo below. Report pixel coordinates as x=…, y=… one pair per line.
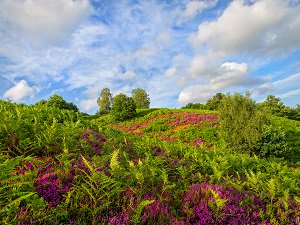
x=140, y=98
x=162, y=166
x=105, y=101
x=123, y=107
x=58, y=102
x=241, y=123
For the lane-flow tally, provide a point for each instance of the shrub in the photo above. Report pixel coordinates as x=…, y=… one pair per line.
x=241, y=123
x=273, y=142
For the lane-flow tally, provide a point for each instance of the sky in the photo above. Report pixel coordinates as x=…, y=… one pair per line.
x=179, y=51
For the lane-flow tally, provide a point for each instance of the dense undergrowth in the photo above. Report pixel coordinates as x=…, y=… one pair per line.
x=163, y=167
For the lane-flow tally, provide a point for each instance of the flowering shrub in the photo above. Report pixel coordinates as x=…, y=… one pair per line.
x=212, y=204
x=51, y=186
x=94, y=139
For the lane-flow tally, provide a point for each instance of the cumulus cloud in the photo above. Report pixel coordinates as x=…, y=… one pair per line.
x=20, y=91
x=264, y=27
x=228, y=75
x=196, y=93
x=252, y=31
x=42, y=21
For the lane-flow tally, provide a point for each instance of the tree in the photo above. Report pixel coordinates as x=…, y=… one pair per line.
x=194, y=106
x=123, y=107
x=105, y=101
x=241, y=123
x=215, y=102
x=141, y=98
x=58, y=102
x=273, y=105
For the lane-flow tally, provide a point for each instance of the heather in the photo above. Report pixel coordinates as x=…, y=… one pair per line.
x=162, y=167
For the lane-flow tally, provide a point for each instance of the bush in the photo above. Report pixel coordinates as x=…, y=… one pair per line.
x=123, y=107
x=241, y=123
x=273, y=142
x=156, y=126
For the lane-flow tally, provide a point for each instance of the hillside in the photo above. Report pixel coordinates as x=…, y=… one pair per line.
x=165, y=166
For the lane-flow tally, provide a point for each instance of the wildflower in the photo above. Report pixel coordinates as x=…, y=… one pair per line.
x=94, y=139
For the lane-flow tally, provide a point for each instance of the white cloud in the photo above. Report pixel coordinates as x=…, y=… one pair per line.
x=193, y=8
x=42, y=21
x=231, y=74
x=128, y=75
x=20, y=91
x=170, y=72
x=164, y=37
x=262, y=27
x=293, y=93
x=228, y=75
x=254, y=32
x=88, y=104
x=196, y=93
x=283, y=88
x=293, y=80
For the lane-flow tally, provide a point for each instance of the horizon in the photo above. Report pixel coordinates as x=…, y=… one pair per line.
x=178, y=51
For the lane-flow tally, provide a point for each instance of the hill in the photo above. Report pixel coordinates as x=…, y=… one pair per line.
x=165, y=166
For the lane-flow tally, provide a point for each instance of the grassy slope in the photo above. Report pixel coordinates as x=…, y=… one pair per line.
x=131, y=168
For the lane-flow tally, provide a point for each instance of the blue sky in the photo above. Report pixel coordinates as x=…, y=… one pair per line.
x=178, y=51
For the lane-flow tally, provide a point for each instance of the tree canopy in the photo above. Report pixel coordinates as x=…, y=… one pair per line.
x=123, y=107
x=141, y=98
x=58, y=102
x=105, y=101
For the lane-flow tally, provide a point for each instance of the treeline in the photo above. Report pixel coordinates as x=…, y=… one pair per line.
x=272, y=105
x=121, y=106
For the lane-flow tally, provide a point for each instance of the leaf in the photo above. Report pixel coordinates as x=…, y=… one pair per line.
x=87, y=164
x=136, y=217
x=114, y=161
x=18, y=200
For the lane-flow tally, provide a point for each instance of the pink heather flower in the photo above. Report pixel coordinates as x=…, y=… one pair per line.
x=94, y=139
x=198, y=141
x=30, y=165
x=200, y=207
x=51, y=187
x=159, y=153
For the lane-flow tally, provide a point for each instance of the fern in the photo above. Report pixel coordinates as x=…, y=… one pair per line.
x=114, y=161
x=138, y=212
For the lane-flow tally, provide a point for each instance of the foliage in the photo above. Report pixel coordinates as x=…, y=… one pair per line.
x=87, y=172
x=140, y=98
x=105, y=101
x=58, y=102
x=194, y=106
x=123, y=107
x=241, y=123
x=273, y=142
x=276, y=107
x=215, y=102
x=39, y=130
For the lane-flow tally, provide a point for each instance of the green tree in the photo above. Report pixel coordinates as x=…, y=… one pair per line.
x=215, y=102
x=123, y=107
x=241, y=123
x=273, y=105
x=194, y=106
x=141, y=98
x=58, y=102
x=105, y=101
